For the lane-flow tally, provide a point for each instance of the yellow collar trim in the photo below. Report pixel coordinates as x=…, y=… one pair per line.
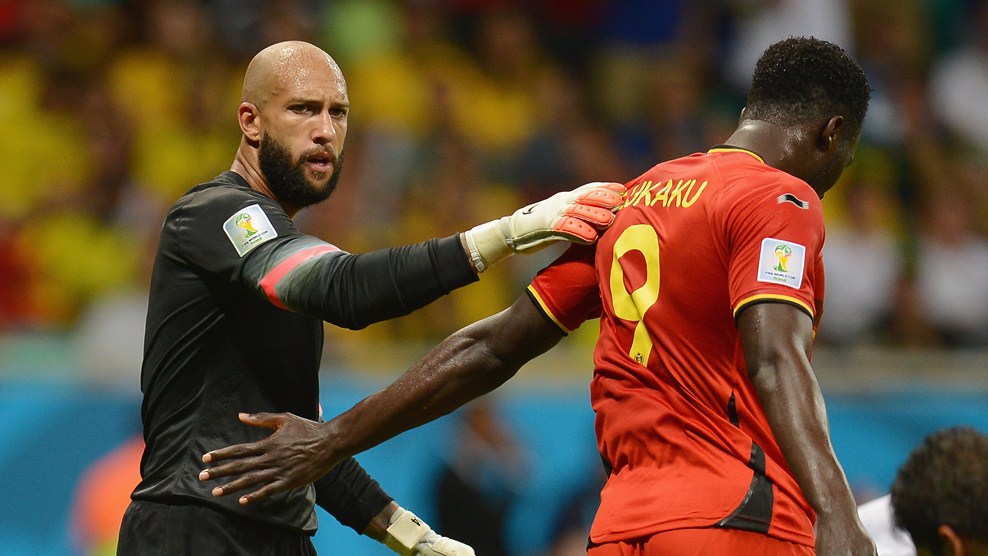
x=736, y=150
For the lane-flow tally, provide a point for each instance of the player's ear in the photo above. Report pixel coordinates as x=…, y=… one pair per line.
x=830, y=133
x=248, y=116
x=950, y=541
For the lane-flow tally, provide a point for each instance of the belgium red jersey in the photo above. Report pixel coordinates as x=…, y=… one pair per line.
x=677, y=419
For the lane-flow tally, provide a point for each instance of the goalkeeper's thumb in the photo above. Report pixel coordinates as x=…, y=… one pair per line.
x=410, y=536
x=576, y=216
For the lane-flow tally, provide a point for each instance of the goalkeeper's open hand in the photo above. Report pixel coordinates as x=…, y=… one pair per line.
x=578, y=216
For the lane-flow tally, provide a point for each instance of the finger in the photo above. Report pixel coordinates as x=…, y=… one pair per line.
x=576, y=230
x=235, y=451
x=235, y=467
x=598, y=216
x=267, y=420
x=245, y=481
x=609, y=197
x=594, y=185
x=264, y=492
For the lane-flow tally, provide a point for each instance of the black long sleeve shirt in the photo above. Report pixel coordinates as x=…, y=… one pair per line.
x=235, y=324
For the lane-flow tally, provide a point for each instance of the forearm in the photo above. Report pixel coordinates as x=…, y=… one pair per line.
x=456, y=371
x=353, y=291
x=777, y=339
x=466, y=365
x=794, y=406
x=393, y=282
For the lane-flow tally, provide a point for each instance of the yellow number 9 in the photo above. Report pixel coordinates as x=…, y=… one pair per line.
x=632, y=305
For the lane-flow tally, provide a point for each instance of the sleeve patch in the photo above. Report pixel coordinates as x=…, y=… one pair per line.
x=790, y=198
x=781, y=262
x=248, y=228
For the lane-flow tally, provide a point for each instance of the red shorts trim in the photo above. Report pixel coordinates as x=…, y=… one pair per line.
x=707, y=541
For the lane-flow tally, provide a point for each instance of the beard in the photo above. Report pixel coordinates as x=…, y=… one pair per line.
x=287, y=179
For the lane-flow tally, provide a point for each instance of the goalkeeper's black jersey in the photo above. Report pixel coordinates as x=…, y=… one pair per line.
x=237, y=300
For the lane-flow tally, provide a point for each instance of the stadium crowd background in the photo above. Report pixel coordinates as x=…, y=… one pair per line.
x=462, y=110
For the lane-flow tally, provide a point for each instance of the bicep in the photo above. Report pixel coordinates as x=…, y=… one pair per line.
x=774, y=335
x=521, y=332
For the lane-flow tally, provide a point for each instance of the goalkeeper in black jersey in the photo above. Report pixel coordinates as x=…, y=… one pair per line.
x=237, y=303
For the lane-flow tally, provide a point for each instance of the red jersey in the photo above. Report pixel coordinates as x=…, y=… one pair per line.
x=677, y=419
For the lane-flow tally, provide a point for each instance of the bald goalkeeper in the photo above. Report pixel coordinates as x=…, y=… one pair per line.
x=235, y=319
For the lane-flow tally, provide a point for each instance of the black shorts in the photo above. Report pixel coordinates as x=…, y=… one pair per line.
x=152, y=529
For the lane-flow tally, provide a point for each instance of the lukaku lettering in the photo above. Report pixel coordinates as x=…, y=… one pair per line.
x=680, y=194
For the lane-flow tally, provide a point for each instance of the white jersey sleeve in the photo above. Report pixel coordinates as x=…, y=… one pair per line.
x=878, y=521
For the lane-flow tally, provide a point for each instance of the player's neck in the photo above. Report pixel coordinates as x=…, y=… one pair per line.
x=780, y=147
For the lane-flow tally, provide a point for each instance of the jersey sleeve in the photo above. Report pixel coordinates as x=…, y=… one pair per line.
x=246, y=241
x=776, y=236
x=350, y=495
x=566, y=291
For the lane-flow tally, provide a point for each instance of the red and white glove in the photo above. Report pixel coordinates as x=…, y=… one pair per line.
x=578, y=216
x=410, y=536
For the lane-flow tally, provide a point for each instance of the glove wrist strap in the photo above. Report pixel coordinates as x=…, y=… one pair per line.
x=487, y=245
x=405, y=532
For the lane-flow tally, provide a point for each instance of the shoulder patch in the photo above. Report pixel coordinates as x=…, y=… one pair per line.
x=781, y=262
x=248, y=228
x=790, y=198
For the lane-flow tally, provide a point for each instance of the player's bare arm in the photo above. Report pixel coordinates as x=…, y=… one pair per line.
x=776, y=339
x=467, y=364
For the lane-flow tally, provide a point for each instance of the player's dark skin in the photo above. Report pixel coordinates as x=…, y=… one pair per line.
x=776, y=339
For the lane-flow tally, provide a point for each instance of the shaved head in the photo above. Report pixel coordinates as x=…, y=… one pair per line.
x=286, y=65
x=294, y=119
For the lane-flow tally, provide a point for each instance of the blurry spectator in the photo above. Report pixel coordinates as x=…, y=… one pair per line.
x=244, y=27
x=501, y=112
x=185, y=86
x=401, y=124
x=568, y=143
x=488, y=100
x=571, y=528
x=959, y=84
x=642, y=42
x=678, y=114
x=759, y=23
x=896, y=60
x=952, y=273
x=864, y=263
x=479, y=480
x=102, y=496
x=17, y=307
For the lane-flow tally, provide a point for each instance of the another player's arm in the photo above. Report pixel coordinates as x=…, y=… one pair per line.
x=469, y=363
x=777, y=338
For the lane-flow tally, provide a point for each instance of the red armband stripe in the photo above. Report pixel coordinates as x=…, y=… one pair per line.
x=271, y=279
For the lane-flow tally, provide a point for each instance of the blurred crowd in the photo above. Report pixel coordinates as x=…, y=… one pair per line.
x=465, y=109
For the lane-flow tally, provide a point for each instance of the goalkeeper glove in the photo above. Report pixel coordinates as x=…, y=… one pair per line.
x=410, y=536
x=575, y=216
